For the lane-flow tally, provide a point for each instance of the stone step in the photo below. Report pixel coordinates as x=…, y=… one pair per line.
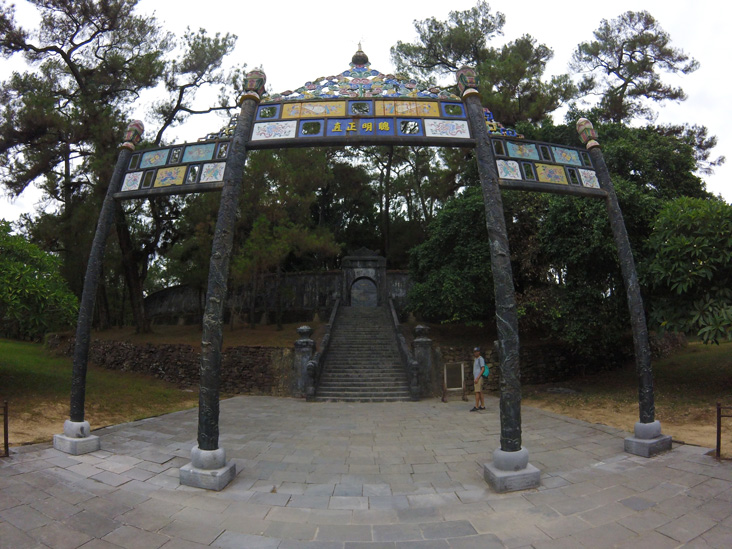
x=364, y=369
x=376, y=361
x=360, y=387
x=346, y=369
x=362, y=338
x=362, y=342
x=373, y=344
x=347, y=379
x=361, y=399
x=363, y=363
x=357, y=376
x=376, y=393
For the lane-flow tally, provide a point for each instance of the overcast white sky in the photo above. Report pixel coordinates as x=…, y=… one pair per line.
x=296, y=41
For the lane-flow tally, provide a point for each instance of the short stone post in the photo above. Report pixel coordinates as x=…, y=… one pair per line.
x=304, y=349
x=413, y=374
x=423, y=355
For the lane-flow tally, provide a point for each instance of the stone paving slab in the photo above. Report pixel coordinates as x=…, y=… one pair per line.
x=363, y=475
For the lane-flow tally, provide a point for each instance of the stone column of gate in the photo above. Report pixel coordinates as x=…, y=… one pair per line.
x=76, y=438
x=510, y=469
x=648, y=439
x=208, y=468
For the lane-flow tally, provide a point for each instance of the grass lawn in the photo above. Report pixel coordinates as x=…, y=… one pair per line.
x=37, y=385
x=687, y=387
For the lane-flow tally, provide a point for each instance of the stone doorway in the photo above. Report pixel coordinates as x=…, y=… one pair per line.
x=364, y=279
x=364, y=293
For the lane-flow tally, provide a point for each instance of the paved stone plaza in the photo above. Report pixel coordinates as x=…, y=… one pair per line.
x=384, y=475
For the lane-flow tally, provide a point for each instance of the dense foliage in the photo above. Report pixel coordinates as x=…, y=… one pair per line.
x=452, y=269
x=34, y=297
x=566, y=272
x=690, y=268
x=512, y=82
x=62, y=119
x=628, y=52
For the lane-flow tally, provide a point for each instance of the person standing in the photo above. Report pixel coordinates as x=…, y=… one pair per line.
x=478, y=368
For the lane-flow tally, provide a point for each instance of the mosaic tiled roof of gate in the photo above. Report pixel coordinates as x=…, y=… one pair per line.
x=360, y=81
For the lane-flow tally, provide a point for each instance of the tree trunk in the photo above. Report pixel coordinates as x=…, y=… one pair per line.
x=132, y=275
x=278, y=297
x=121, y=317
x=253, y=303
x=385, y=219
x=102, y=307
x=201, y=298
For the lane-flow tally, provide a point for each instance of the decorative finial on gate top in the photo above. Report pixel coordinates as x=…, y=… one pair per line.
x=360, y=58
x=133, y=134
x=253, y=85
x=467, y=82
x=587, y=133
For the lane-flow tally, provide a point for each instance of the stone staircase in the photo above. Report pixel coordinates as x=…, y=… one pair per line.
x=363, y=362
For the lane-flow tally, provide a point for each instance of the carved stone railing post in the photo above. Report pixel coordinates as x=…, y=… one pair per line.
x=304, y=349
x=415, y=391
x=410, y=363
x=423, y=355
x=647, y=439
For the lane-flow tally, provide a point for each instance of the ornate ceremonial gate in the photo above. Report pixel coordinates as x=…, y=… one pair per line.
x=361, y=106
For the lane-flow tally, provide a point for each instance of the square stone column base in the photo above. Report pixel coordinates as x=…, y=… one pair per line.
x=647, y=447
x=647, y=440
x=76, y=446
x=511, y=481
x=208, y=479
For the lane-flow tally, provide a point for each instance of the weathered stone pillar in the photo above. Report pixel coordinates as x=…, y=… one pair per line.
x=413, y=375
x=304, y=349
x=423, y=355
x=76, y=438
x=510, y=469
x=209, y=468
x=647, y=439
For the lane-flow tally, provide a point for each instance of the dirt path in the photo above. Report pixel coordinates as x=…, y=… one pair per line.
x=41, y=425
x=700, y=430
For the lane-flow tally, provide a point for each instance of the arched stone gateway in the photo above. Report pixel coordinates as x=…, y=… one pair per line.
x=364, y=279
x=362, y=106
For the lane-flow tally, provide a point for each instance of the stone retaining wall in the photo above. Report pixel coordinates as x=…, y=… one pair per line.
x=269, y=370
x=250, y=370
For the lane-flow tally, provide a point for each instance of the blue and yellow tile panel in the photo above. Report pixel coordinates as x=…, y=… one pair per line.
x=534, y=162
x=431, y=122
x=190, y=167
